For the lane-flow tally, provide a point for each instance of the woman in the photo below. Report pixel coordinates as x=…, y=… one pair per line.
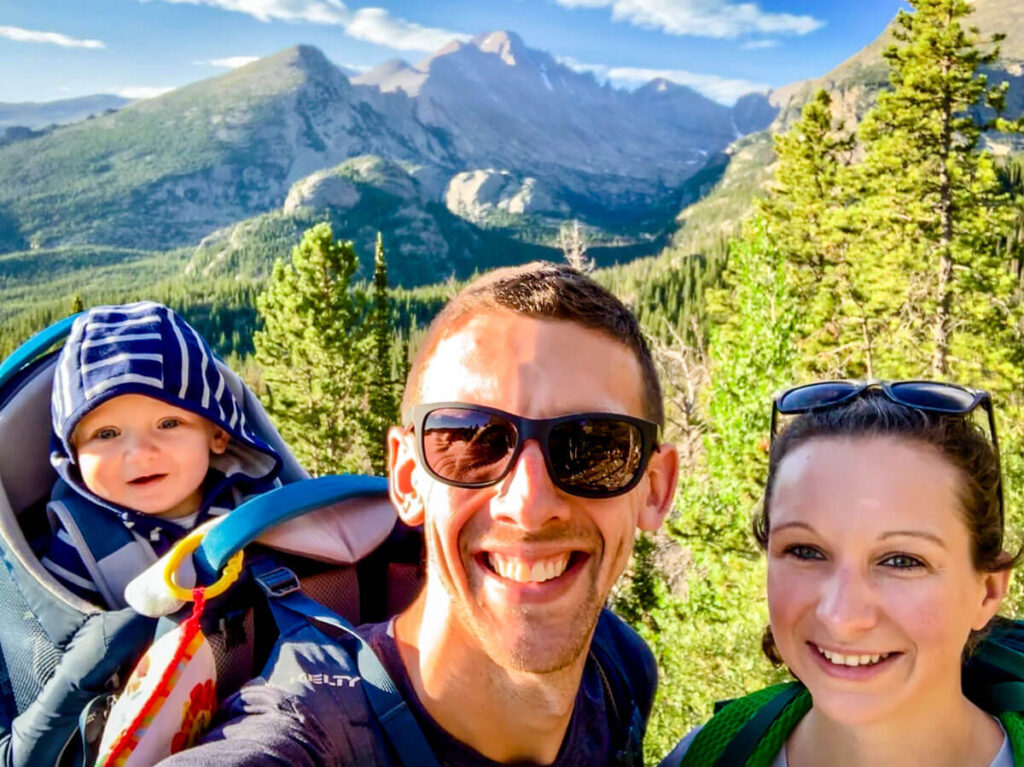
x=883, y=527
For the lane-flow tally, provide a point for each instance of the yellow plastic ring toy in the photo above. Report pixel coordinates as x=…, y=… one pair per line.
x=183, y=548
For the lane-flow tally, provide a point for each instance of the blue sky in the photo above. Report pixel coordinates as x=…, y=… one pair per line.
x=54, y=49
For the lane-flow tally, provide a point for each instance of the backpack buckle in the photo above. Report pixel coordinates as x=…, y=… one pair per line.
x=278, y=582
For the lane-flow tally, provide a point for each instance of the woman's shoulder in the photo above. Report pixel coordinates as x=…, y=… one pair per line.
x=675, y=758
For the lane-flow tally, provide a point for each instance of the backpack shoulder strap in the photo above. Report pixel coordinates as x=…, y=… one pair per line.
x=994, y=673
x=749, y=731
x=1013, y=723
x=294, y=611
x=629, y=675
x=111, y=553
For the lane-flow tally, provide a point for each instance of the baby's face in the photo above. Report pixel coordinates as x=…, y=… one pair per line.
x=146, y=455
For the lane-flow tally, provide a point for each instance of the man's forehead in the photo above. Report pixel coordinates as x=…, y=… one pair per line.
x=535, y=367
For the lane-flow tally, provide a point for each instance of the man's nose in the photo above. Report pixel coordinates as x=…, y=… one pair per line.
x=526, y=496
x=848, y=603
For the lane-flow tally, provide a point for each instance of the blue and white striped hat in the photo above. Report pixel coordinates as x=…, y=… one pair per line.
x=145, y=348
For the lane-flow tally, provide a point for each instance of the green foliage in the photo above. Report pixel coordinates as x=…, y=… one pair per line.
x=710, y=630
x=933, y=212
x=309, y=345
x=384, y=384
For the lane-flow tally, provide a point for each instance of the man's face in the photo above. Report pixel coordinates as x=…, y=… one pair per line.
x=523, y=566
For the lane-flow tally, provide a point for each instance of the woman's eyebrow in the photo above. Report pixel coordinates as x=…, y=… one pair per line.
x=915, y=534
x=784, y=526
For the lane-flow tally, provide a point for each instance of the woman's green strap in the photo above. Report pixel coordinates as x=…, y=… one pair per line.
x=1013, y=723
x=765, y=733
x=758, y=720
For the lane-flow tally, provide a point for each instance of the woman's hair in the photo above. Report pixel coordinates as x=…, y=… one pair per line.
x=957, y=438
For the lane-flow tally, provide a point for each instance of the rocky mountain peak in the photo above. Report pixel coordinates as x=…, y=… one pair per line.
x=312, y=61
x=508, y=46
x=660, y=85
x=661, y=90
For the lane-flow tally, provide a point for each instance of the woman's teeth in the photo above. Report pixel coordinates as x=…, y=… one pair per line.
x=852, y=660
x=517, y=570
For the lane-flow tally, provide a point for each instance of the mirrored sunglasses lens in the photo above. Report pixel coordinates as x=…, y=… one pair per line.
x=597, y=456
x=933, y=396
x=816, y=395
x=467, y=446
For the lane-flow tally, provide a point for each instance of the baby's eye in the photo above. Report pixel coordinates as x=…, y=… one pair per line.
x=800, y=551
x=107, y=432
x=902, y=561
x=169, y=423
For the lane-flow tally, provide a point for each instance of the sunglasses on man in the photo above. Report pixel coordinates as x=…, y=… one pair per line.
x=929, y=396
x=593, y=455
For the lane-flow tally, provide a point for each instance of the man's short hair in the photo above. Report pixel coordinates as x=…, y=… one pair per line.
x=546, y=291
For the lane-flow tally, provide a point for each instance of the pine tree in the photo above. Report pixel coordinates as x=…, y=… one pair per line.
x=807, y=216
x=309, y=349
x=382, y=411
x=933, y=202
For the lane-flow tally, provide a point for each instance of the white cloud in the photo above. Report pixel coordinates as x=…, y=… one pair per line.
x=141, y=91
x=230, y=62
x=702, y=18
x=757, y=45
x=53, y=38
x=375, y=25
x=601, y=70
x=724, y=90
x=312, y=11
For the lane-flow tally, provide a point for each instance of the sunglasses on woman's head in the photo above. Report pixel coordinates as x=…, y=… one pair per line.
x=929, y=396
x=593, y=455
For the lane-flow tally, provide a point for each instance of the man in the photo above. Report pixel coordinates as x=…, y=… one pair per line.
x=529, y=455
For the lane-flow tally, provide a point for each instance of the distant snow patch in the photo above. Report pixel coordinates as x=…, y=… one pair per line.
x=544, y=77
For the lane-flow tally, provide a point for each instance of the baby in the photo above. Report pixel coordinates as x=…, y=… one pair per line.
x=148, y=441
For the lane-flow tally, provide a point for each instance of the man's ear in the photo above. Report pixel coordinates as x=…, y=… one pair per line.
x=662, y=473
x=402, y=464
x=219, y=441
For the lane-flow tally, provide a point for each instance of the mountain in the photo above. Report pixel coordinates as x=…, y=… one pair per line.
x=501, y=133
x=855, y=83
x=505, y=106
x=38, y=115
x=167, y=171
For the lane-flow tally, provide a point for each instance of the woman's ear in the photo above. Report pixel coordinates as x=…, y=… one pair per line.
x=996, y=585
x=402, y=464
x=662, y=474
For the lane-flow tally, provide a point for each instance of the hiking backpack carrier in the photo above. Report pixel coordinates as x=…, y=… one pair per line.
x=42, y=619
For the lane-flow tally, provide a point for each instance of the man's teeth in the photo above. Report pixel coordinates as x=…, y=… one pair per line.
x=852, y=660
x=522, y=572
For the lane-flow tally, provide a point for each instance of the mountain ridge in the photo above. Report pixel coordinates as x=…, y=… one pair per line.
x=171, y=169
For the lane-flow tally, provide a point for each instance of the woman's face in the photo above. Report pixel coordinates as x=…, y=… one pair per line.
x=871, y=588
